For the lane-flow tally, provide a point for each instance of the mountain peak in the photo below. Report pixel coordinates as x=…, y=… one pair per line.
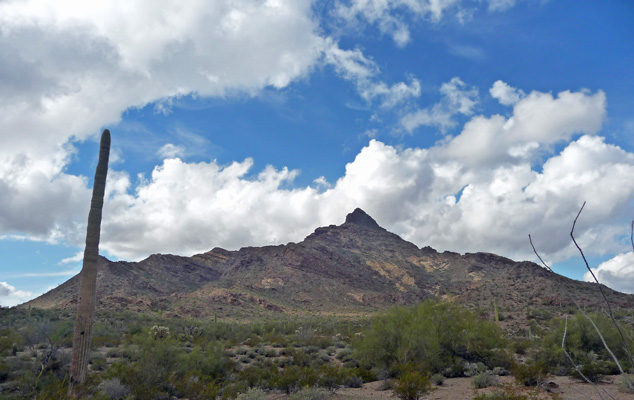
x=359, y=217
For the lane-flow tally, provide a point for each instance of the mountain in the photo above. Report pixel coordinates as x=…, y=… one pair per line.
x=357, y=267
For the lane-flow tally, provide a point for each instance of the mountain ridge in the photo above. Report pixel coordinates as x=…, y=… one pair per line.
x=354, y=268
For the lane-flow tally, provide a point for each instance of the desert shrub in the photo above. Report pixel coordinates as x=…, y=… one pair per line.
x=411, y=386
x=520, y=346
x=288, y=379
x=529, y=374
x=499, y=371
x=330, y=377
x=593, y=368
x=353, y=381
x=368, y=375
x=582, y=338
x=623, y=386
x=194, y=387
x=262, y=376
x=270, y=353
x=346, y=353
x=485, y=380
x=310, y=393
x=435, y=333
x=211, y=362
x=252, y=394
x=149, y=377
x=473, y=369
x=437, y=379
x=501, y=358
x=4, y=371
x=113, y=389
x=503, y=393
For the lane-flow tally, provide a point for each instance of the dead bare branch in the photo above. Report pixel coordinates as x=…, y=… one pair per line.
x=626, y=346
x=586, y=316
x=577, y=368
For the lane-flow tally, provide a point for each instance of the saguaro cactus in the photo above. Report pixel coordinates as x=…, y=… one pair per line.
x=87, y=295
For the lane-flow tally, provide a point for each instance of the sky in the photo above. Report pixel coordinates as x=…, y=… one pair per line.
x=463, y=125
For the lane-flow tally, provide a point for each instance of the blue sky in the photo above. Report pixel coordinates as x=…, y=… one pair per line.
x=463, y=125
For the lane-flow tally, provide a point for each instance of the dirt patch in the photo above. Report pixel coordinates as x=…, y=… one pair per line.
x=560, y=387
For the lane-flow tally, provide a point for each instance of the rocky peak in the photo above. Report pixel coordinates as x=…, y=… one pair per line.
x=359, y=217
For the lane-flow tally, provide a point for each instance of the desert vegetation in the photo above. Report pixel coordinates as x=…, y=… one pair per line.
x=410, y=350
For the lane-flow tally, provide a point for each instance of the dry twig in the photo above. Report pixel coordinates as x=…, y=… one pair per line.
x=626, y=346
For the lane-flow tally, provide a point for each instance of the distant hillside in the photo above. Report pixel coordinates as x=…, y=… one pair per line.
x=353, y=268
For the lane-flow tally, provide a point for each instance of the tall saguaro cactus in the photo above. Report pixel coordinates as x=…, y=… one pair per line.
x=87, y=295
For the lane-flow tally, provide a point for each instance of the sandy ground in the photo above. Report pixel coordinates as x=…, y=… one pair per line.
x=461, y=388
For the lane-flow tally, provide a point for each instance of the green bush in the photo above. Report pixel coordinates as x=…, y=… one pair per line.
x=436, y=333
x=252, y=394
x=411, y=386
x=485, y=380
x=113, y=389
x=529, y=374
x=310, y=393
x=437, y=379
x=505, y=393
x=593, y=369
x=623, y=386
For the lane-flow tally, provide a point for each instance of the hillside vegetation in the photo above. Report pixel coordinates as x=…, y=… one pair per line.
x=410, y=350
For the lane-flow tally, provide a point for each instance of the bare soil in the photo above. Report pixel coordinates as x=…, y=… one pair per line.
x=560, y=387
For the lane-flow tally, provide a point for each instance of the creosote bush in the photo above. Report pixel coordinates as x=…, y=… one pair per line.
x=485, y=380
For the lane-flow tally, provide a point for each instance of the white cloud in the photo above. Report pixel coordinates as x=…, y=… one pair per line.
x=457, y=98
x=188, y=208
x=351, y=64
x=542, y=118
x=538, y=120
x=68, y=69
x=354, y=66
x=617, y=273
x=395, y=17
x=70, y=272
x=171, y=151
x=80, y=67
x=500, y=5
x=448, y=196
x=506, y=94
x=389, y=15
x=77, y=258
x=466, y=51
x=10, y=296
x=391, y=95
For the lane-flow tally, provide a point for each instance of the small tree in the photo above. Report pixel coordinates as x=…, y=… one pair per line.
x=87, y=295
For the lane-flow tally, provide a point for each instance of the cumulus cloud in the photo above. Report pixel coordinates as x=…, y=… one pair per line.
x=79, y=67
x=395, y=17
x=617, y=273
x=67, y=69
x=354, y=66
x=506, y=94
x=538, y=120
x=457, y=98
x=389, y=15
x=450, y=196
x=10, y=296
x=171, y=151
x=421, y=194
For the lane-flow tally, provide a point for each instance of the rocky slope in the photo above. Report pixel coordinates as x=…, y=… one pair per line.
x=353, y=268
